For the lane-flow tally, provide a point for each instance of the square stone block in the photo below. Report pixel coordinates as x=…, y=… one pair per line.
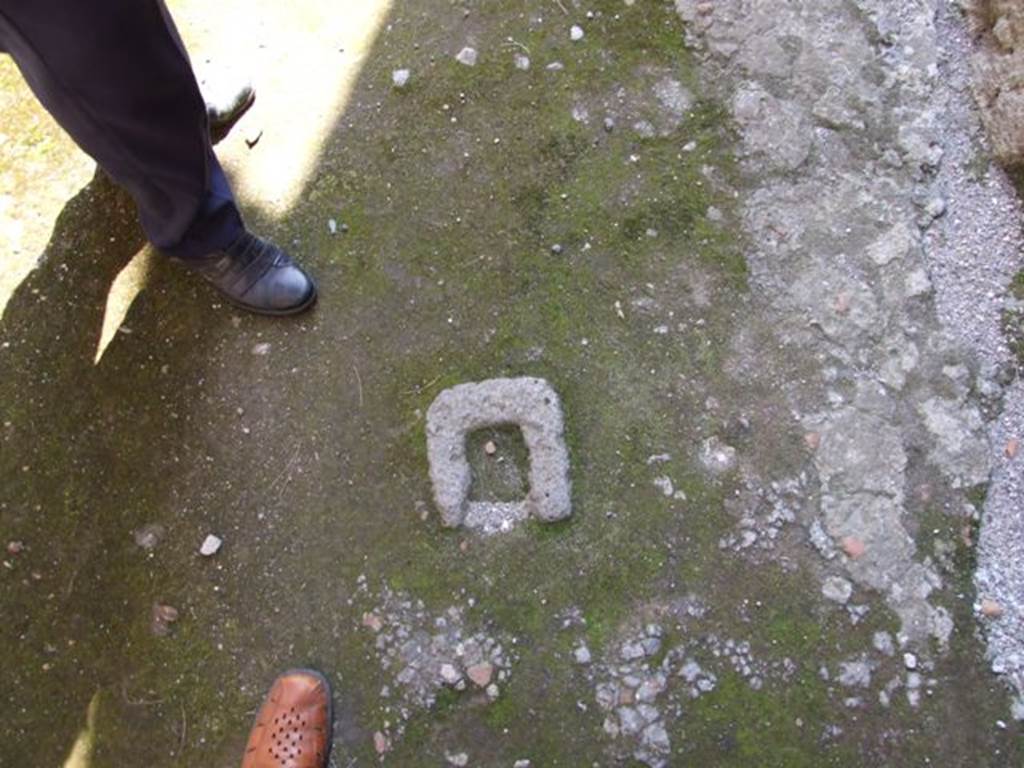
x=533, y=406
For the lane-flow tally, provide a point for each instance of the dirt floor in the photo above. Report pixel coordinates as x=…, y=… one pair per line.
x=711, y=229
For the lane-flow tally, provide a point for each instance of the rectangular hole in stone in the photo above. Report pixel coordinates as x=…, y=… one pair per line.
x=501, y=476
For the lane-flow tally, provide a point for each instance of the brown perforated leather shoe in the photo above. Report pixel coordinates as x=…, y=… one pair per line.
x=293, y=728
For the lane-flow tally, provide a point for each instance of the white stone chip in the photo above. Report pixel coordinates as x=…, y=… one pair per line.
x=582, y=655
x=882, y=641
x=450, y=674
x=837, y=589
x=467, y=56
x=211, y=546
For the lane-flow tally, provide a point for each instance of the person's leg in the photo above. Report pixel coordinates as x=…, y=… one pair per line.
x=114, y=74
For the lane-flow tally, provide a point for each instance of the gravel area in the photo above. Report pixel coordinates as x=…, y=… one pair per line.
x=884, y=238
x=972, y=258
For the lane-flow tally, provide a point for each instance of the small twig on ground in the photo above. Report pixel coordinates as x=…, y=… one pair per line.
x=423, y=388
x=71, y=582
x=510, y=43
x=184, y=730
x=559, y=4
x=139, y=703
x=287, y=468
x=359, y=381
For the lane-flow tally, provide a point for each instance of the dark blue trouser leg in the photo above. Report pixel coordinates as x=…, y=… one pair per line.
x=116, y=77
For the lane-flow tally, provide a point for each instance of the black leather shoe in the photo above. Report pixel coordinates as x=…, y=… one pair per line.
x=256, y=275
x=224, y=113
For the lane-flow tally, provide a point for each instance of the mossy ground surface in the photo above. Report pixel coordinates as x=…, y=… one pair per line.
x=1013, y=320
x=310, y=460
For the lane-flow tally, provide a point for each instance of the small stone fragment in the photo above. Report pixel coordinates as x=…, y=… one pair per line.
x=211, y=546
x=576, y=33
x=910, y=661
x=15, y=547
x=381, y=743
x=459, y=761
x=556, y=249
x=935, y=207
x=261, y=349
x=607, y=696
x=690, y=671
x=162, y=618
x=883, y=643
x=582, y=655
x=837, y=589
x=649, y=690
x=917, y=283
x=481, y=674
x=450, y=675
x=853, y=547
x=1012, y=448
x=373, y=621
x=632, y=651
x=655, y=737
x=717, y=457
x=332, y=226
x=148, y=536
x=400, y=77
x=467, y=56
x=522, y=61
x=991, y=609
x=651, y=645
x=490, y=448
x=630, y=721
x=522, y=764
x=812, y=440
x=855, y=674
x=1017, y=709
x=665, y=485
x=842, y=305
